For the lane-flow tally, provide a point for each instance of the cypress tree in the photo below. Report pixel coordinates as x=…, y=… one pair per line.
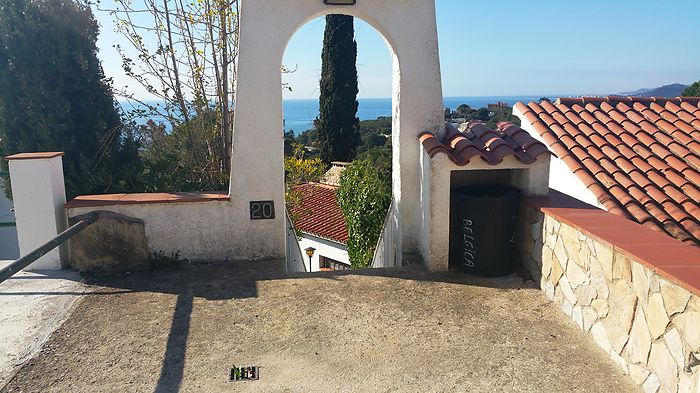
x=337, y=124
x=54, y=95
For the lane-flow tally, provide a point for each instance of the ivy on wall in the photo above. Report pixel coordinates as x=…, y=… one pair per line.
x=364, y=197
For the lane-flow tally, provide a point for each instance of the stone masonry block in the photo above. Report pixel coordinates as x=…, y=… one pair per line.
x=622, y=303
x=622, y=268
x=114, y=243
x=604, y=256
x=662, y=364
x=656, y=316
x=639, y=343
x=640, y=282
x=688, y=323
x=675, y=297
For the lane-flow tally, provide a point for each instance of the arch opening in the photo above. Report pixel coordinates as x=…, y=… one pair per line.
x=301, y=65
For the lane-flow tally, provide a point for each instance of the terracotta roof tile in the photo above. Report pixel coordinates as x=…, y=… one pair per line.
x=492, y=146
x=639, y=156
x=317, y=212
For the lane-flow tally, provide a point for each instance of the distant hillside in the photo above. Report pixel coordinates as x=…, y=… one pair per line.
x=673, y=90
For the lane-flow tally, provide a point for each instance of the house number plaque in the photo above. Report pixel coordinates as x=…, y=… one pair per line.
x=262, y=210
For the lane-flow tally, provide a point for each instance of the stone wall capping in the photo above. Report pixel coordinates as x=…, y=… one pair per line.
x=672, y=259
x=146, y=198
x=35, y=156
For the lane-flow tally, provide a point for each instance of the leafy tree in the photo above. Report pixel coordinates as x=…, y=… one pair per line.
x=307, y=138
x=692, y=90
x=545, y=99
x=364, y=197
x=184, y=55
x=288, y=143
x=371, y=141
x=55, y=96
x=299, y=169
x=182, y=159
x=381, y=158
x=464, y=110
x=337, y=124
x=482, y=114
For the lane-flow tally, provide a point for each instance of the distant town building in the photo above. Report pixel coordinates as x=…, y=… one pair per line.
x=500, y=108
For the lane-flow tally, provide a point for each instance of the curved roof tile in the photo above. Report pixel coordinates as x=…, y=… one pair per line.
x=639, y=156
x=477, y=140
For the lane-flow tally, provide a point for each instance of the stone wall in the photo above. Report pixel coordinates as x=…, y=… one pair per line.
x=648, y=325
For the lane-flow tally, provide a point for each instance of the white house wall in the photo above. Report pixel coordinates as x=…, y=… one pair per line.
x=197, y=230
x=325, y=248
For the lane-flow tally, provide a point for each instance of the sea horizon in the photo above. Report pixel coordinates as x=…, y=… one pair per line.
x=300, y=113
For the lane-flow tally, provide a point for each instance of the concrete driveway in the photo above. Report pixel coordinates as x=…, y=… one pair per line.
x=32, y=306
x=360, y=331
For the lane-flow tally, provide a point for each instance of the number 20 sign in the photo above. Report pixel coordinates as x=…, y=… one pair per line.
x=262, y=210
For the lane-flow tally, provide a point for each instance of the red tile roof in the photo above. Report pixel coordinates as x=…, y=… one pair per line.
x=477, y=140
x=639, y=156
x=318, y=213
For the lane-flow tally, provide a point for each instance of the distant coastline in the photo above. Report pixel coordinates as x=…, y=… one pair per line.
x=299, y=114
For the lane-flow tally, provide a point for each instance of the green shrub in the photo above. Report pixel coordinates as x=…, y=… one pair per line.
x=364, y=197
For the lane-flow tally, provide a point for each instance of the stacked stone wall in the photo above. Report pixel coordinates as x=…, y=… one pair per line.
x=649, y=325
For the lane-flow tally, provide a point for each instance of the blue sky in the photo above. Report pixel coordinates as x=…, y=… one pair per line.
x=514, y=47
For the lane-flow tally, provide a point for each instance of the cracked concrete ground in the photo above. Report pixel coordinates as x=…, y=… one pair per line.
x=32, y=306
x=375, y=330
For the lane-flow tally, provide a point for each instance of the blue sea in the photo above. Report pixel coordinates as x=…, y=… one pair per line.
x=300, y=114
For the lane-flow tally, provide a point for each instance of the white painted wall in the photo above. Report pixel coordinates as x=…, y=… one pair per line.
x=409, y=27
x=324, y=247
x=39, y=195
x=200, y=231
x=436, y=181
x=561, y=178
x=9, y=248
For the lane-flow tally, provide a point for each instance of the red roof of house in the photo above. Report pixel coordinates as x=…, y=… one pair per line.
x=639, y=156
x=477, y=140
x=318, y=213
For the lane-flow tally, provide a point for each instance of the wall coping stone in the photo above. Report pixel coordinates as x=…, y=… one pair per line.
x=668, y=257
x=146, y=198
x=35, y=156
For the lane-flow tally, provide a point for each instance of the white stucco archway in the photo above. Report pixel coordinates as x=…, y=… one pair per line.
x=257, y=172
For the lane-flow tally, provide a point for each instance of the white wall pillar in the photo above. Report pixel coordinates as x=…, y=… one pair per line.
x=38, y=192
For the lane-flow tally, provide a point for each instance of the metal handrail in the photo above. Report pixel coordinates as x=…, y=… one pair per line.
x=14, y=267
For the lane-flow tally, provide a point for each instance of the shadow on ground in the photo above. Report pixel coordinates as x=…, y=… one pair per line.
x=238, y=280
x=376, y=329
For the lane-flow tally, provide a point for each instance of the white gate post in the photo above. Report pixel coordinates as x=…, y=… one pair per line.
x=39, y=193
